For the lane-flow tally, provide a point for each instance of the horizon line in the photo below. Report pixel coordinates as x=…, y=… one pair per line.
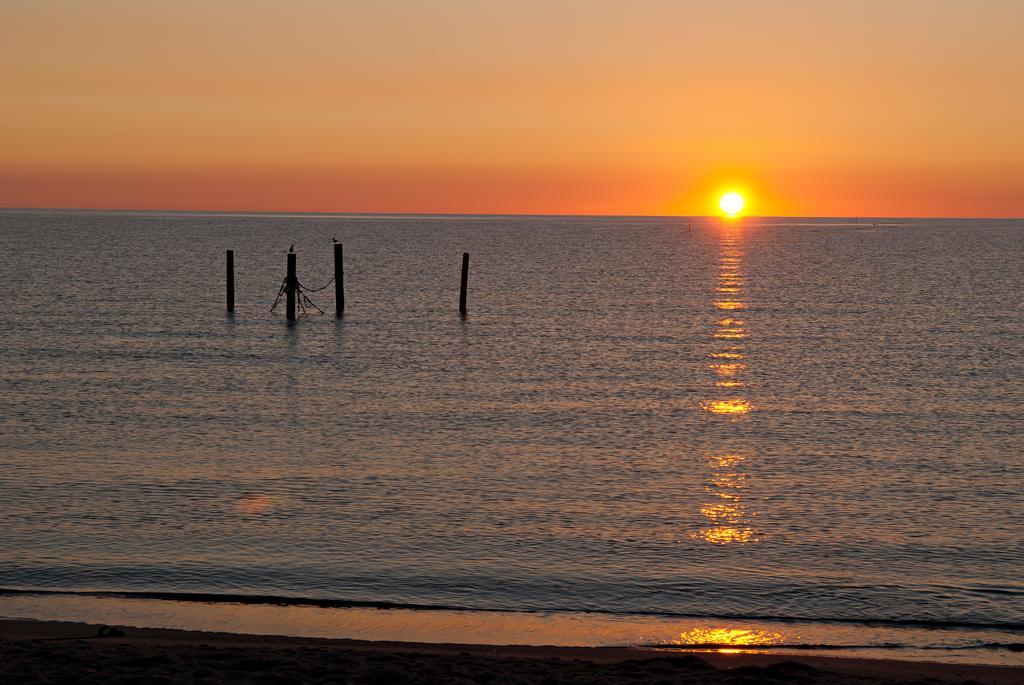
x=237, y=212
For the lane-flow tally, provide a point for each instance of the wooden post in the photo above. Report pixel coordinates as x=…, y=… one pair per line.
x=339, y=281
x=231, y=280
x=465, y=279
x=291, y=286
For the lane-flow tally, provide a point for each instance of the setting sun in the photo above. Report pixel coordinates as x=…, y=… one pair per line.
x=731, y=203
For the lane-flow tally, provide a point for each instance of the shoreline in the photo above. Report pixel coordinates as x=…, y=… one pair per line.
x=346, y=604
x=39, y=646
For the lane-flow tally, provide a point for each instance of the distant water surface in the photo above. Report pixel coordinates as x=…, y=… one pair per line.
x=815, y=420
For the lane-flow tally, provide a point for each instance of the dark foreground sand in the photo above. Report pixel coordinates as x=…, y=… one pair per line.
x=51, y=652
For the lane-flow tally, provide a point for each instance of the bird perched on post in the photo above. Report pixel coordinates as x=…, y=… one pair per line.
x=334, y=240
x=292, y=248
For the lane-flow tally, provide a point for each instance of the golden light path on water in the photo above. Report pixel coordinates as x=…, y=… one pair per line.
x=727, y=406
x=724, y=638
x=726, y=512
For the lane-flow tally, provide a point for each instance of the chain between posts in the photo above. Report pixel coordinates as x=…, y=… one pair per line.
x=301, y=298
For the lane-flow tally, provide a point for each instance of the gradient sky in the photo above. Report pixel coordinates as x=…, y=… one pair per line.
x=869, y=108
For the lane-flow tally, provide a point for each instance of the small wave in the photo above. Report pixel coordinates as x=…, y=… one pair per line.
x=775, y=646
x=280, y=600
x=1008, y=646
x=276, y=600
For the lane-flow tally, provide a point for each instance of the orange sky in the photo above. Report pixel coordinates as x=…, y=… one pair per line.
x=867, y=108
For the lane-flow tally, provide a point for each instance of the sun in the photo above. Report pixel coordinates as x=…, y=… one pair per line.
x=731, y=203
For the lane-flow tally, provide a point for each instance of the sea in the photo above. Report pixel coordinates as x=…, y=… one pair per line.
x=761, y=434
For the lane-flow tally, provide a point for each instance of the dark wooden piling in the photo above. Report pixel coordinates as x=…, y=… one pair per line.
x=339, y=281
x=231, y=280
x=292, y=286
x=465, y=280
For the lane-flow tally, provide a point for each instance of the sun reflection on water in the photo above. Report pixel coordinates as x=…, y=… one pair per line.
x=728, y=520
x=729, y=369
x=727, y=406
x=728, y=637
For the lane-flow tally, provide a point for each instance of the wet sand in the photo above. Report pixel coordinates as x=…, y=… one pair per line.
x=51, y=652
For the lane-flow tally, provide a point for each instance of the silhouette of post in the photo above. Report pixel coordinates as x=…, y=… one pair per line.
x=339, y=281
x=291, y=286
x=465, y=279
x=231, y=280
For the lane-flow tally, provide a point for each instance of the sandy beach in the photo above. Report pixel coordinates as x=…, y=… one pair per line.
x=52, y=652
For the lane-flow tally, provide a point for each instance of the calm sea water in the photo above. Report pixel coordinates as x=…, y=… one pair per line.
x=769, y=420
